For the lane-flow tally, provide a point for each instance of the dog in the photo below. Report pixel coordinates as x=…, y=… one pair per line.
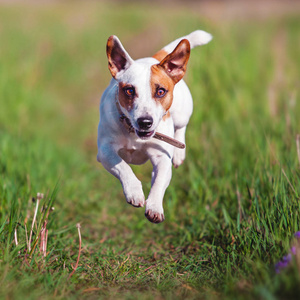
x=146, y=97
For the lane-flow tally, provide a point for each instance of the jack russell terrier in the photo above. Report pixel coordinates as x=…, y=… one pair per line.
x=143, y=115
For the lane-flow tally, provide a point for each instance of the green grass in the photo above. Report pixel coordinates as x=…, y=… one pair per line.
x=232, y=208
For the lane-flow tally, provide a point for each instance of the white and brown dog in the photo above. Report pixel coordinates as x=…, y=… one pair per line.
x=146, y=97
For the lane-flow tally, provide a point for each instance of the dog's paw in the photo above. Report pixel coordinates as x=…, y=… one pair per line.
x=154, y=216
x=154, y=213
x=178, y=157
x=136, y=202
x=134, y=195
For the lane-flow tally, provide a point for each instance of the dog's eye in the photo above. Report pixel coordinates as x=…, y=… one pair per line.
x=129, y=91
x=160, y=92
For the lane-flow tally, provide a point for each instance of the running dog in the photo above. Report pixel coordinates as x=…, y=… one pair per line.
x=143, y=115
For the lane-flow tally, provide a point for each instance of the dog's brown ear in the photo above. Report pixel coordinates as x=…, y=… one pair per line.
x=118, y=59
x=175, y=63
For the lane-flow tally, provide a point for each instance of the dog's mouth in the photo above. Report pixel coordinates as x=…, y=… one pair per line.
x=145, y=134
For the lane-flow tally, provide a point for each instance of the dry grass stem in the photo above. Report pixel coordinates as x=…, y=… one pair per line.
x=298, y=146
x=79, y=252
x=39, y=197
x=238, y=195
x=44, y=234
x=26, y=236
x=44, y=238
x=16, y=238
x=289, y=182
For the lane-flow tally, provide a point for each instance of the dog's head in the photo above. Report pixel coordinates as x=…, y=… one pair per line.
x=146, y=88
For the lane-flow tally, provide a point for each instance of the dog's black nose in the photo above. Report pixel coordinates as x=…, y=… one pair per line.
x=145, y=123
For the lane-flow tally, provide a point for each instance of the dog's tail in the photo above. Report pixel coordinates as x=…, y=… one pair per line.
x=196, y=38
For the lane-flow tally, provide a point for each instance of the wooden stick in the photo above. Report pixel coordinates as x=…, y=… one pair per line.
x=169, y=140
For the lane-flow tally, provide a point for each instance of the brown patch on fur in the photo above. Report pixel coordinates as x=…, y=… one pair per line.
x=117, y=57
x=160, y=79
x=124, y=100
x=109, y=49
x=166, y=116
x=160, y=55
x=175, y=63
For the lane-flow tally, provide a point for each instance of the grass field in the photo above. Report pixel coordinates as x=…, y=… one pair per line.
x=231, y=210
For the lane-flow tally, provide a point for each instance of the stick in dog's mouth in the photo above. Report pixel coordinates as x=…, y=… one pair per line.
x=157, y=135
x=144, y=134
x=161, y=137
x=169, y=140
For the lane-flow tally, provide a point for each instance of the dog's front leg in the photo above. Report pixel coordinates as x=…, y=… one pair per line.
x=114, y=164
x=161, y=177
x=179, y=154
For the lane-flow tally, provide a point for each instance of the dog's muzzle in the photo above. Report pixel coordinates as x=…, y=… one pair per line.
x=144, y=124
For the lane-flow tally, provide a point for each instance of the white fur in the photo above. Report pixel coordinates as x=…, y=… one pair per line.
x=117, y=147
x=196, y=38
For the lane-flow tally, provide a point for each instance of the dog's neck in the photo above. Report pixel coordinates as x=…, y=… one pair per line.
x=124, y=120
x=128, y=126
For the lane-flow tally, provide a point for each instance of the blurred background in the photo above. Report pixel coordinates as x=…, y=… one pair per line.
x=54, y=52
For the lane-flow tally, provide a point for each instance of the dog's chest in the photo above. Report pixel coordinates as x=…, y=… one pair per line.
x=133, y=153
x=133, y=156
